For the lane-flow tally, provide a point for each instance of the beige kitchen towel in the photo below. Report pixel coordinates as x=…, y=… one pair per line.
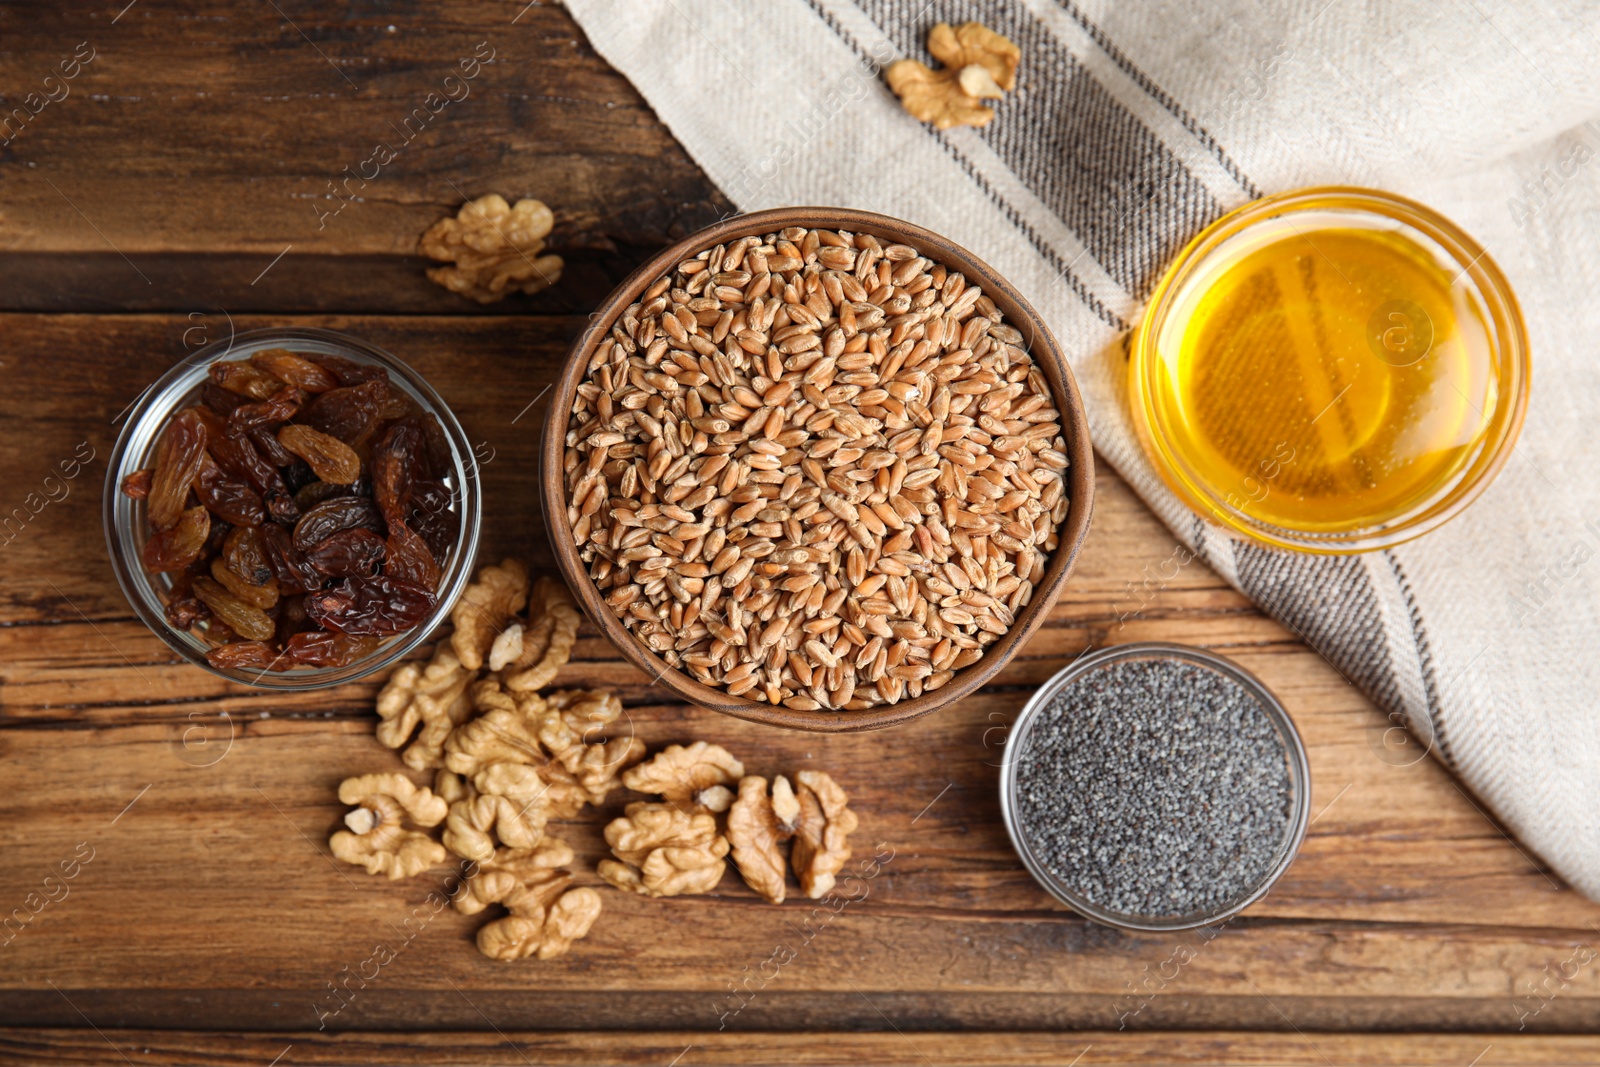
x=1135, y=125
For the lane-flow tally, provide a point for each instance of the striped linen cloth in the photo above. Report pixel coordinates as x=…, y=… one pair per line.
x=1131, y=128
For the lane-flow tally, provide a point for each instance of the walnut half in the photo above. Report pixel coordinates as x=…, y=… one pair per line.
x=686, y=773
x=494, y=249
x=755, y=833
x=376, y=837
x=822, y=834
x=663, y=851
x=978, y=63
x=545, y=916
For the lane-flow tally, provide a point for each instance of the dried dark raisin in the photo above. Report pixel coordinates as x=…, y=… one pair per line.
x=433, y=519
x=348, y=371
x=178, y=545
x=335, y=514
x=441, y=460
x=237, y=376
x=371, y=606
x=309, y=496
x=178, y=459
x=243, y=656
x=228, y=498
x=349, y=413
x=282, y=406
x=409, y=557
x=288, y=563
x=136, y=486
x=395, y=461
x=217, y=399
x=323, y=649
x=266, y=442
x=295, y=369
x=348, y=554
x=292, y=618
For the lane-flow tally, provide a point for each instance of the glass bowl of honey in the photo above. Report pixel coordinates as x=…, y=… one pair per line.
x=1332, y=370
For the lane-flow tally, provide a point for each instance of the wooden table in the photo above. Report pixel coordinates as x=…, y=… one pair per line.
x=185, y=187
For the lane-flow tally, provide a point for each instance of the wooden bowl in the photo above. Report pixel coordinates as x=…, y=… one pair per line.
x=1018, y=314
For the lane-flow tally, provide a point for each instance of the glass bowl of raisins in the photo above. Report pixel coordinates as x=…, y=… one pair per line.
x=292, y=509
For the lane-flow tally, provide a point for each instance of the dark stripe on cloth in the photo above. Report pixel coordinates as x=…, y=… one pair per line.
x=1160, y=96
x=1014, y=215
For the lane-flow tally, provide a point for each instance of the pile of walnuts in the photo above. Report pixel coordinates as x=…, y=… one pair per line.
x=507, y=759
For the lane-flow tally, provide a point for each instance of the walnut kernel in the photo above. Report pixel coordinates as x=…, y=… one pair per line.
x=978, y=64
x=376, y=837
x=821, y=843
x=485, y=607
x=493, y=249
x=680, y=773
x=663, y=851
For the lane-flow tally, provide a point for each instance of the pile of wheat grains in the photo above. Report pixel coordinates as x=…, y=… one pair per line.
x=815, y=469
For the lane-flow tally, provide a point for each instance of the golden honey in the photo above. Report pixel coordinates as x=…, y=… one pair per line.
x=1323, y=376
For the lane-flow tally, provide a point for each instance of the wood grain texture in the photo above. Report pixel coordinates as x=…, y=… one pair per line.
x=239, y=130
x=694, y=1049
x=144, y=213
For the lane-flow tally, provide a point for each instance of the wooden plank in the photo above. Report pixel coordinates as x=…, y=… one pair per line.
x=693, y=1049
x=253, y=128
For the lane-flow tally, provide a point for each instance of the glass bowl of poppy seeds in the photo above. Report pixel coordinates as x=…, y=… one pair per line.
x=1155, y=787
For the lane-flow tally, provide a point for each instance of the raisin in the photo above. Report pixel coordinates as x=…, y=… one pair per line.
x=441, y=460
x=179, y=545
x=178, y=458
x=266, y=443
x=245, y=554
x=218, y=634
x=348, y=371
x=335, y=514
x=291, y=618
x=408, y=557
x=217, y=538
x=237, y=376
x=295, y=369
x=215, y=398
x=237, y=455
x=371, y=606
x=243, y=656
x=282, y=406
x=298, y=474
x=320, y=648
x=257, y=596
x=349, y=413
x=309, y=496
x=433, y=519
x=183, y=612
x=288, y=563
x=395, y=461
x=228, y=498
x=136, y=486
x=249, y=622
x=330, y=458
x=348, y=554
x=398, y=406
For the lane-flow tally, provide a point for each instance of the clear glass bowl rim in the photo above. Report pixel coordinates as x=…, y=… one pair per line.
x=1294, y=752
x=151, y=411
